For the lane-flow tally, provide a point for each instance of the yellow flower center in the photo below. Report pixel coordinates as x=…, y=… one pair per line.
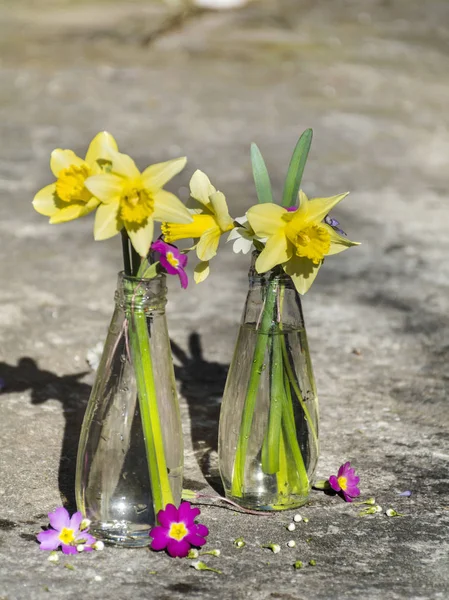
x=177, y=531
x=312, y=242
x=136, y=205
x=342, y=482
x=67, y=536
x=70, y=184
x=181, y=231
x=172, y=260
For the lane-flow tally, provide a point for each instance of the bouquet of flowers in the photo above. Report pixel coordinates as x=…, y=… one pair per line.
x=136, y=361
x=268, y=441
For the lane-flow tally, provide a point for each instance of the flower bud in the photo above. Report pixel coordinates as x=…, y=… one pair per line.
x=211, y=552
x=80, y=548
x=275, y=548
x=298, y=564
x=371, y=501
x=297, y=518
x=193, y=553
x=85, y=524
x=200, y=566
x=312, y=562
x=291, y=543
x=392, y=513
x=306, y=520
x=291, y=527
x=54, y=557
x=370, y=510
x=98, y=545
x=239, y=542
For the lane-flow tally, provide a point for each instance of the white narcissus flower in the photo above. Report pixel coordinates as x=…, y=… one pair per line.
x=243, y=237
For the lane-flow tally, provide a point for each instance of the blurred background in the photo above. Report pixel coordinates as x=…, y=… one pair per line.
x=204, y=79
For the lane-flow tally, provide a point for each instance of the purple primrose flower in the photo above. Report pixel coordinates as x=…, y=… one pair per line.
x=345, y=482
x=65, y=532
x=177, y=531
x=172, y=260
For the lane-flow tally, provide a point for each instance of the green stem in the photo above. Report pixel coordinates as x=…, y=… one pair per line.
x=253, y=388
x=294, y=384
x=271, y=447
x=291, y=442
x=154, y=443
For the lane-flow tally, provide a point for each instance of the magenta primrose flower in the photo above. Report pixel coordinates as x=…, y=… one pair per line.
x=177, y=531
x=66, y=533
x=172, y=260
x=345, y=482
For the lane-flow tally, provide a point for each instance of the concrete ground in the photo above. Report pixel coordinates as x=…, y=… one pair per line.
x=371, y=78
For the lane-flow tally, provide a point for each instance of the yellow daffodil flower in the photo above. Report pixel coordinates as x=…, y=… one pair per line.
x=298, y=240
x=135, y=200
x=210, y=220
x=68, y=198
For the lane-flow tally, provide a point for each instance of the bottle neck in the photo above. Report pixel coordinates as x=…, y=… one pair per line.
x=141, y=294
x=272, y=303
x=273, y=277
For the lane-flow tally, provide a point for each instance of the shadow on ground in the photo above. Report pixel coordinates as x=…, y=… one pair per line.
x=202, y=384
x=73, y=395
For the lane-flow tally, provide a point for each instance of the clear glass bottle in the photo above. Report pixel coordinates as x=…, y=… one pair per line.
x=130, y=455
x=268, y=434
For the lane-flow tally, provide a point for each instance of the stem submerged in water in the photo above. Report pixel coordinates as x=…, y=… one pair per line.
x=146, y=391
x=281, y=453
x=253, y=388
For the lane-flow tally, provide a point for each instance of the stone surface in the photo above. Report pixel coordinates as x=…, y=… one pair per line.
x=371, y=78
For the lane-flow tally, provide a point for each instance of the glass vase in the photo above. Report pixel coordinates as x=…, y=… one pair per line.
x=130, y=455
x=268, y=434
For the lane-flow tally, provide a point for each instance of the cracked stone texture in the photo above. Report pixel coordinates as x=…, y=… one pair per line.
x=371, y=78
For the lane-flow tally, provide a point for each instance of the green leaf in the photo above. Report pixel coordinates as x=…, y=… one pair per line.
x=148, y=271
x=261, y=177
x=296, y=169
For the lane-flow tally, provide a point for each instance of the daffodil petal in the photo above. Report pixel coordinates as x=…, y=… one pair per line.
x=338, y=242
x=107, y=222
x=318, y=208
x=156, y=176
x=123, y=165
x=167, y=207
x=302, y=271
x=142, y=238
x=221, y=212
x=63, y=159
x=99, y=148
x=91, y=205
x=201, y=271
x=208, y=245
x=266, y=219
x=44, y=201
x=106, y=187
x=68, y=213
x=277, y=250
x=201, y=187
